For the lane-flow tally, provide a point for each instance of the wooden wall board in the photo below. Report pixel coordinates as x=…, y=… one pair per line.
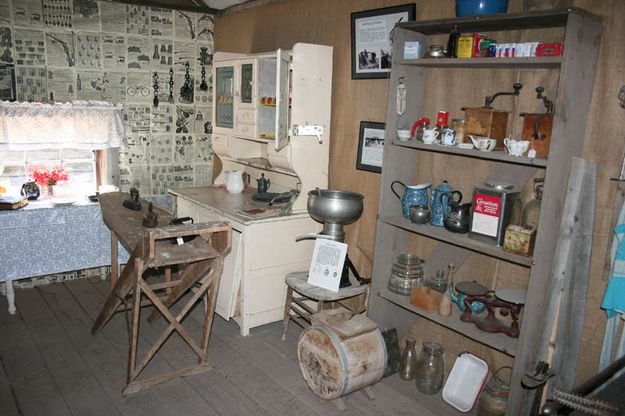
x=327, y=22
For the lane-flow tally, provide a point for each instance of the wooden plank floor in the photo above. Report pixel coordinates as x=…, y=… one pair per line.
x=51, y=365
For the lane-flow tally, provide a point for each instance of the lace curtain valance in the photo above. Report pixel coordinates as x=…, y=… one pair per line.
x=81, y=124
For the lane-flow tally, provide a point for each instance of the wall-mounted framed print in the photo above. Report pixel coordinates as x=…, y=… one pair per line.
x=370, y=146
x=371, y=39
x=7, y=83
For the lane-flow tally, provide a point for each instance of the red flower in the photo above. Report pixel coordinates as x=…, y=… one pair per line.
x=51, y=176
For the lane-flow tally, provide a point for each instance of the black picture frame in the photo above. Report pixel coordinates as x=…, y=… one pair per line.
x=376, y=62
x=370, y=146
x=8, y=91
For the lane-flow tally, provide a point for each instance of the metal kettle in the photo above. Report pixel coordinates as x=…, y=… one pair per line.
x=263, y=184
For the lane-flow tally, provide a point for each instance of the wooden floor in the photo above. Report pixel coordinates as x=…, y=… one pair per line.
x=51, y=365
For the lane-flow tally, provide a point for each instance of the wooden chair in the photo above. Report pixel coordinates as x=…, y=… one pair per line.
x=297, y=282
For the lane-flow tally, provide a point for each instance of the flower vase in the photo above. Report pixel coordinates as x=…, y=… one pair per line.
x=51, y=190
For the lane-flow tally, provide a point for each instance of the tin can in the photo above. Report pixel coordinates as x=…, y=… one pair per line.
x=494, y=206
x=478, y=38
x=465, y=46
x=442, y=119
x=458, y=125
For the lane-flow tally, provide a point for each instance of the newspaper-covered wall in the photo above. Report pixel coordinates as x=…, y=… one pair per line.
x=91, y=50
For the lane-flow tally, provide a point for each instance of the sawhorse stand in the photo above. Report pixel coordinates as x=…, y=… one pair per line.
x=200, y=263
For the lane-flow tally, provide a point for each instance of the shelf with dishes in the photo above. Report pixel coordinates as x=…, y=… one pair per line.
x=460, y=240
x=468, y=151
x=501, y=63
x=498, y=341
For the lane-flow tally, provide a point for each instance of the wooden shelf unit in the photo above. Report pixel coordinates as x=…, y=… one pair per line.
x=515, y=63
x=576, y=69
x=495, y=155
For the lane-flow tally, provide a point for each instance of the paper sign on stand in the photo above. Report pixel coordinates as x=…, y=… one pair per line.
x=326, y=266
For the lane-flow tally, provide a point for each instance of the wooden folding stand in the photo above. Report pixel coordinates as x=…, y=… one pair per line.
x=200, y=263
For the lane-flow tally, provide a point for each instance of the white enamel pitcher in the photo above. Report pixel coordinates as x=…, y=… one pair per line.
x=235, y=181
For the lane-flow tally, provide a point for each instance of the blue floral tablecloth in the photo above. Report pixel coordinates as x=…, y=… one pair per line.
x=43, y=238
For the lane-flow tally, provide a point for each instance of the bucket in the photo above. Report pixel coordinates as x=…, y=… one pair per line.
x=333, y=367
x=493, y=400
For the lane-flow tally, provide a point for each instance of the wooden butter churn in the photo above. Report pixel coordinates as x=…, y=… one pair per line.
x=537, y=126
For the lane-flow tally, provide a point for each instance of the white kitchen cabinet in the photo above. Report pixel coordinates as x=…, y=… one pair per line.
x=259, y=98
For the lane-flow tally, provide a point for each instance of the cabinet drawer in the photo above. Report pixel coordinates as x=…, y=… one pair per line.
x=246, y=116
x=246, y=130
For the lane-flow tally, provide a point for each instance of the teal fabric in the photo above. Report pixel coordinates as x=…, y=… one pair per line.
x=614, y=298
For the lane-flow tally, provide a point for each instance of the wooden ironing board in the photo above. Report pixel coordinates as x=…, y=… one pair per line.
x=200, y=263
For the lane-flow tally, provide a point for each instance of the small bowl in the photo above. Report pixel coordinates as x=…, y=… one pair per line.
x=404, y=134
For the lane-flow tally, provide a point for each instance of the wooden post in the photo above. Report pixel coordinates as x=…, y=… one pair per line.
x=114, y=260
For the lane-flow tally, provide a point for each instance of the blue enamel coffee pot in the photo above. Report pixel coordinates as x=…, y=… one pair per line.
x=442, y=196
x=412, y=195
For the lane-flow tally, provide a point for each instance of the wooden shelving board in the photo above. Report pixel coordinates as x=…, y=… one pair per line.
x=500, y=63
x=461, y=240
x=499, y=342
x=495, y=155
x=497, y=22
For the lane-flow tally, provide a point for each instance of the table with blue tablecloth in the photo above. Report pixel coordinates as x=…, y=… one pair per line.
x=46, y=238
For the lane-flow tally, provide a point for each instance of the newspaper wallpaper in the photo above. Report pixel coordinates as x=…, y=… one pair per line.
x=98, y=50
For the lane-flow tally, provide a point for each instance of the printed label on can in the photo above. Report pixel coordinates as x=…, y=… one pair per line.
x=486, y=214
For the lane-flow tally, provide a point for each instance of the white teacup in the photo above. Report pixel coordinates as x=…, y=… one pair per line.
x=516, y=147
x=404, y=135
x=430, y=136
x=485, y=144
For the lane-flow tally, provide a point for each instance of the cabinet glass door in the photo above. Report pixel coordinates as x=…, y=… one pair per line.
x=282, y=99
x=247, y=83
x=224, y=96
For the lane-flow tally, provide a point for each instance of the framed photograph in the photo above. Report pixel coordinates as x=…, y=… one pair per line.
x=371, y=39
x=370, y=146
x=7, y=83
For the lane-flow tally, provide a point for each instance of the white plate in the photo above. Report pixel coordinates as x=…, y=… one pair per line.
x=63, y=201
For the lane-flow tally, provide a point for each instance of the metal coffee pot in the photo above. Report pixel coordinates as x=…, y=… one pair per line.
x=263, y=184
x=442, y=196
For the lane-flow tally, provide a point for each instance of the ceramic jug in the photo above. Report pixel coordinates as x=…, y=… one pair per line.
x=412, y=195
x=234, y=181
x=442, y=196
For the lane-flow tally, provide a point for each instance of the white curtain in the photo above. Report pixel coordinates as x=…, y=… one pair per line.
x=89, y=125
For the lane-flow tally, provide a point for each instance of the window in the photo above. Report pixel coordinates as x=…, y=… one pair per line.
x=79, y=163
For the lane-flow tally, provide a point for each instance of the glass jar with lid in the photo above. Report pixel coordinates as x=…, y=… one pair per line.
x=531, y=211
x=430, y=371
